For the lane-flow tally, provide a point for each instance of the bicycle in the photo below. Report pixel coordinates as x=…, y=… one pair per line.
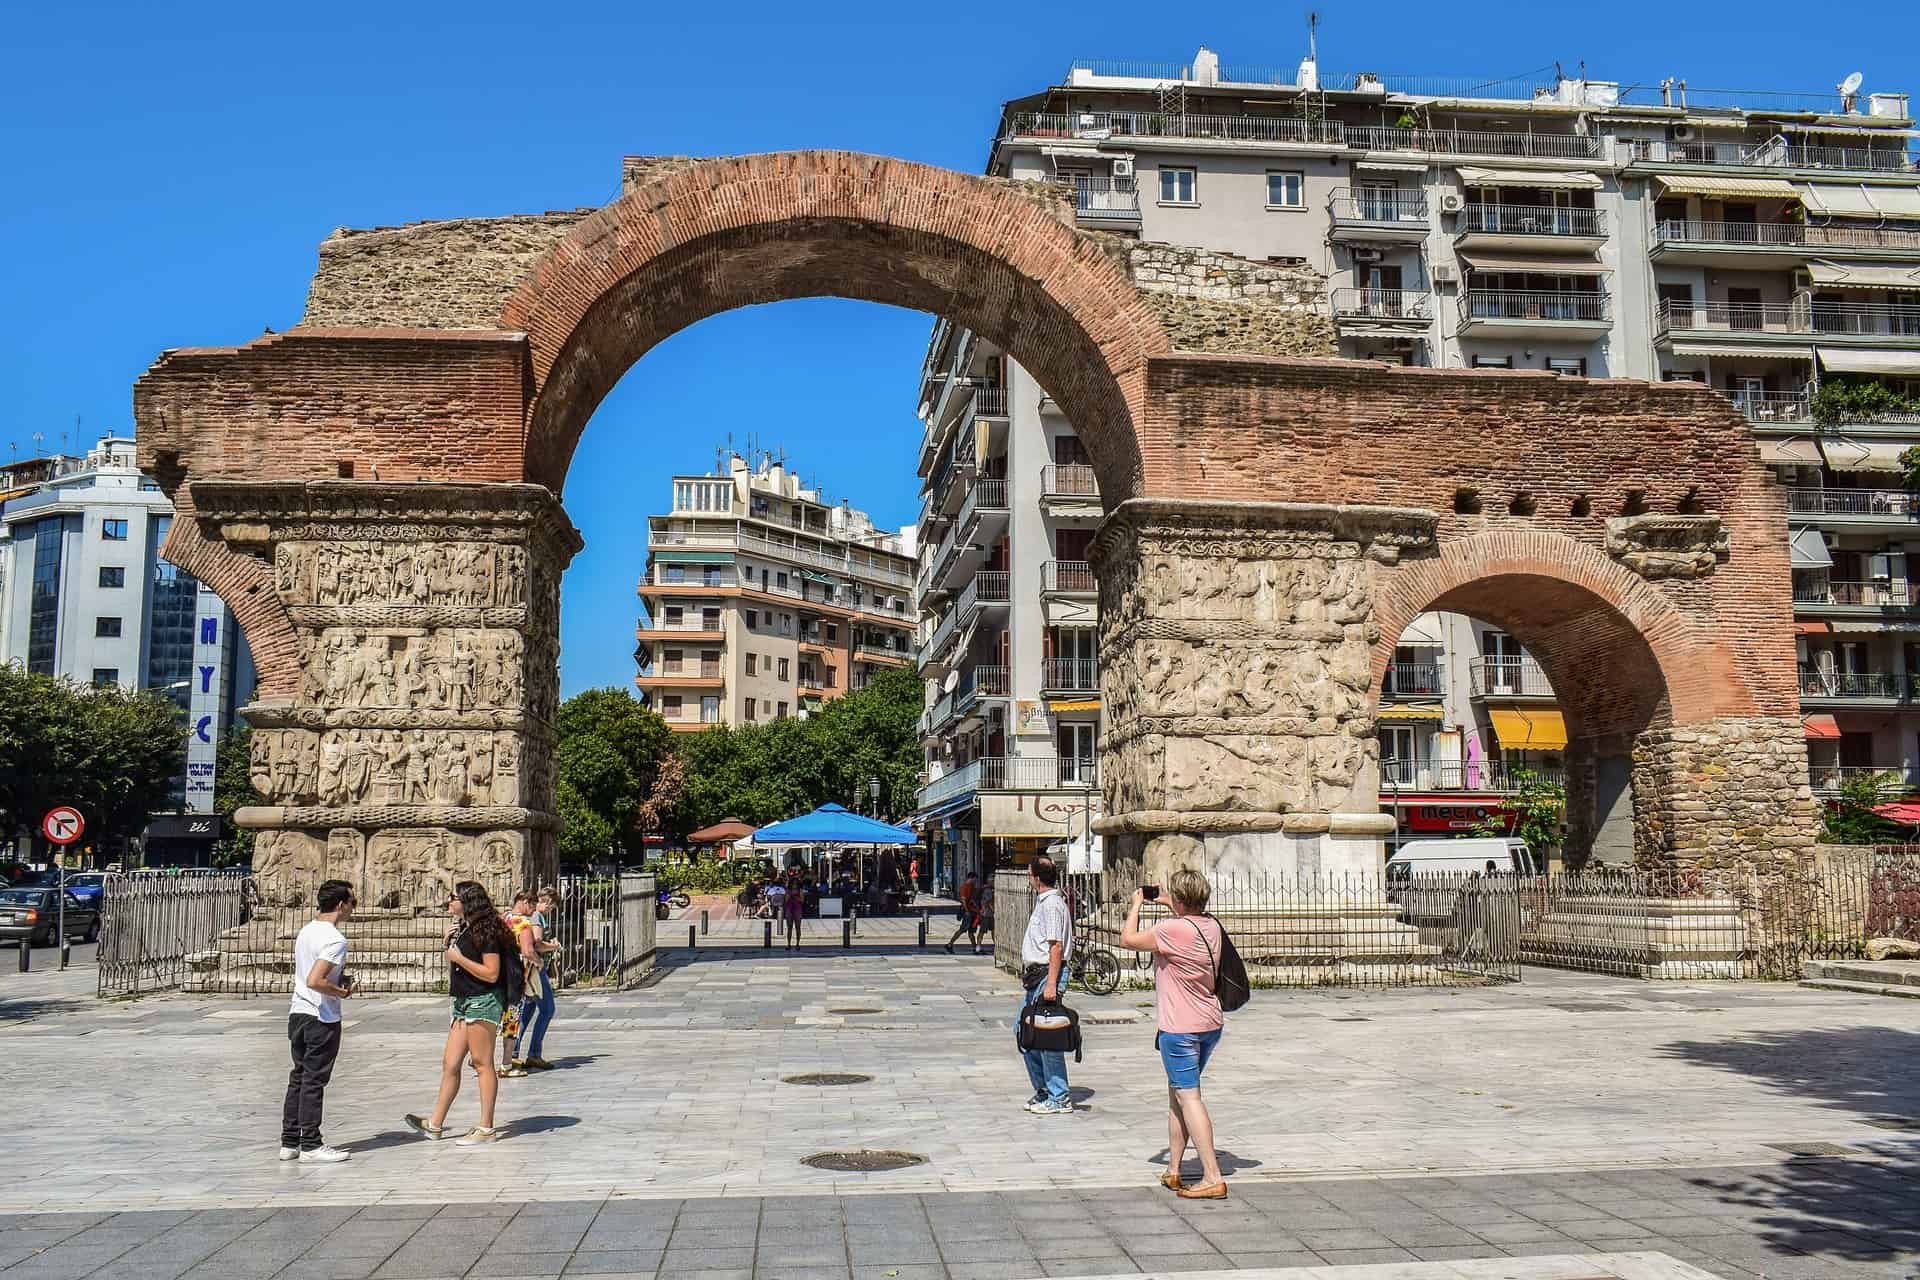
x=1096, y=969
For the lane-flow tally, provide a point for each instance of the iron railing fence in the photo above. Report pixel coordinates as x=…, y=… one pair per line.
x=1459, y=775
x=1828, y=779
x=1067, y=576
x=1346, y=204
x=1531, y=304
x=1413, y=680
x=1381, y=304
x=1106, y=199
x=1774, y=406
x=1530, y=219
x=222, y=934
x=1069, y=675
x=1364, y=930
x=1852, y=502
x=1508, y=677
x=1817, y=682
x=1068, y=480
x=1784, y=234
x=1814, y=588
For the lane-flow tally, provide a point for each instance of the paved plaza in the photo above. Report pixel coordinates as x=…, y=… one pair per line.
x=1757, y=1129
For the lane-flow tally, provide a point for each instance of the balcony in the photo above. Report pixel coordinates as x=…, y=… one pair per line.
x=1875, y=322
x=951, y=785
x=1069, y=675
x=1763, y=245
x=988, y=402
x=1100, y=125
x=1813, y=593
x=857, y=564
x=1009, y=773
x=1774, y=153
x=1774, y=407
x=1473, y=142
x=1106, y=204
x=1896, y=506
x=1828, y=779
x=1480, y=777
x=694, y=629
x=933, y=654
x=1530, y=228
x=1396, y=312
x=1067, y=578
x=1378, y=216
x=983, y=517
x=1534, y=312
x=986, y=590
x=1508, y=678
x=1068, y=480
x=1413, y=680
x=979, y=682
x=1820, y=686
x=864, y=652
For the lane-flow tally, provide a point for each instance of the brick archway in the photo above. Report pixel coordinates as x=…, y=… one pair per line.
x=720, y=234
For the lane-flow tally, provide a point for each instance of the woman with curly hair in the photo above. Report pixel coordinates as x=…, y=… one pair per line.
x=478, y=944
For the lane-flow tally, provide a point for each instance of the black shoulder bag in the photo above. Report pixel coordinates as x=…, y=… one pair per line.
x=1230, y=985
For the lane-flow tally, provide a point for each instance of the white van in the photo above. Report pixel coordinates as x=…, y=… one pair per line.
x=1498, y=855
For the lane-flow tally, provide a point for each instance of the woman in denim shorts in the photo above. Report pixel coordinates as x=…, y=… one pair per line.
x=1185, y=953
x=477, y=947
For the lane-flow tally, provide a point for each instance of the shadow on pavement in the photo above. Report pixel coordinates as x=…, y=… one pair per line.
x=1230, y=1163
x=576, y=1060
x=1820, y=1202
x=527, y=1126
x=381, y=1141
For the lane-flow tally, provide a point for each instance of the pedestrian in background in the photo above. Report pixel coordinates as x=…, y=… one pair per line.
x=536, y=1010
x=519, y=1004
x=478, y=946
x=794, y=905
x=969, y=913
x=1044, y=952
x=320, y=983
x=986, y=914
x=1186, y=971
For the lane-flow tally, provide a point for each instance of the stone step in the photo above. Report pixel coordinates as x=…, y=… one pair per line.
x=1899, y=973
x=1902, y=990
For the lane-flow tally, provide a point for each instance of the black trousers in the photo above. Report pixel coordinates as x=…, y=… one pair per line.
x=315, y=1044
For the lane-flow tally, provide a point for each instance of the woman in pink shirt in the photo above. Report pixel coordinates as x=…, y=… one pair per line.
x=1186, y=953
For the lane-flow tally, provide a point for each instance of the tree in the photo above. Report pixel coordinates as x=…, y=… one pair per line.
x=109, y=752
x=1851, y=818
x=1537, y=813
x=613, y=785
x=233, y=789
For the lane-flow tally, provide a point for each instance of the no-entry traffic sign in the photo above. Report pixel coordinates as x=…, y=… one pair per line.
x=63, y=824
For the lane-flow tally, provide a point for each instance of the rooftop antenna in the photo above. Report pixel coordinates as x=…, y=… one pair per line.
x=1848, y=89
x=1313, y=35
x=38, y=442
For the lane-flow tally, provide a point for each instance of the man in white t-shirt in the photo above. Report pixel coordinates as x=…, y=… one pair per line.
x=320, y=983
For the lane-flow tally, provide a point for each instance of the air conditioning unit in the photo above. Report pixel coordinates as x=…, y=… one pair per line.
x=1365, y=253
x=1123, y=167
x=1452, y=202
x=1681, y=133
x=1444, y=273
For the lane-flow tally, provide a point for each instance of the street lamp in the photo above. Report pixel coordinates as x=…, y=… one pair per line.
x=873, y=790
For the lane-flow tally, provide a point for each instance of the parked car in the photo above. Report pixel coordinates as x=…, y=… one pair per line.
x=35, y=914
x=1500, y=855
x=88, y=886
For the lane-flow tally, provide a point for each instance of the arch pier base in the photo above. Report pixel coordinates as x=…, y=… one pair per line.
x=416, y=747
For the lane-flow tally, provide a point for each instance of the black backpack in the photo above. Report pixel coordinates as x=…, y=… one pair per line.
x=513, y=977
x=1230, y=984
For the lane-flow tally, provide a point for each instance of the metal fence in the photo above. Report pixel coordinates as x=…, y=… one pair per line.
x=1724, y=923
x=222, y=934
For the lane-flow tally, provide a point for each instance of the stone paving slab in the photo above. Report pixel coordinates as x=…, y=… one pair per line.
x=1843, y=1219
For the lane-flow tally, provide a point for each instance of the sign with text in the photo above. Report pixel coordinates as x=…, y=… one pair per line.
x=207, y=696
x=1051, y=815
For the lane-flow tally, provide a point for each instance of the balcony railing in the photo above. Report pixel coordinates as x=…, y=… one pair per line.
x=1841, y=319
x=1382, y=304
x=1408, y=208
x=987, y=495
x=1531, y=220
x=1472, y=142
x=987, y=587
x=1852, y=502
x=1877, y=686
x=800, y=553
x=942, y=636
x=1413, y=680
x=951, y=785
x=1775, y=153
x=1792, y=235
x=1009, y=773
x=1508, y=678
x=1829, y=778
x=1099, y=200
x=981, y=682
x=1454, y=775
x=1168, y=124
x=1774, y=406
x=988, y=402
x=1882, y=594
x=1077, y=675
x=1067, y=577
x=1068, y=480
x=1532, y=304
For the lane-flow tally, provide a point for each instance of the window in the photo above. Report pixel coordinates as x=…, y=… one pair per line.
x=670, y=660
x=753, y=619
x=750, y=666
x=1493, y=362
x=1176, y=186
x=113, y=530
x=43, y=625
x=833, y=632
x=747, y=709
x=1575, y=367
x=780, y=581
x=675, y=615
x=783, y=668
x=710, y=709
x=670, y=706
x=783, y=711
x=104, y=676
x=106, y=628
x=112, y=576
x=1286, y=190
x=710, y=619
x=676, y=573
x=710, y=576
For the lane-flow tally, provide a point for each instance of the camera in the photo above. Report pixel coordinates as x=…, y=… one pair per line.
x=1151, y=892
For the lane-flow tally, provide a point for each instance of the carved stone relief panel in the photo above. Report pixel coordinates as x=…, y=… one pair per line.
x=348, y=767
x=445, y=669
x=400, y=573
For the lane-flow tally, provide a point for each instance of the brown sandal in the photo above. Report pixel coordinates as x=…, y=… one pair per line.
x=1171, y=1181
x=1217, y=1191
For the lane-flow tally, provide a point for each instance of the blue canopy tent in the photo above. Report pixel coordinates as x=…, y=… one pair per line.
x=834, y=824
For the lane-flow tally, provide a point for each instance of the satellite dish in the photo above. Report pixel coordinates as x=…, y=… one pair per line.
x=1851, y=85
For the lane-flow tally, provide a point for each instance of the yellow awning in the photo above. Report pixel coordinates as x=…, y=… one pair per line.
x=1426, y=712
x=1540, y=729
x=1763, y=188
x=1081, y=704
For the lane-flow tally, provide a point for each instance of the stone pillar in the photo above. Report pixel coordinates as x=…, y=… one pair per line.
x=1731, y=792
x=1236, y=642
x=418, y=750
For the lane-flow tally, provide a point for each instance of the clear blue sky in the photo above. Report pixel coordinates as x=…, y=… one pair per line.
x=169, y=170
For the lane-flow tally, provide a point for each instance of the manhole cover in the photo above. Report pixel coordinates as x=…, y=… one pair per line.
x=863, y=1161
x=827, y=1078
x=851, y=1009
x=1587, y=1006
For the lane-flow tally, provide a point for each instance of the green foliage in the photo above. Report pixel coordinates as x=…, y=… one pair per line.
x=764, y=773
x=111, y=753
x=1843, y=399
x=585, y=835
x=611, y=748
x=704, y=875
x=232, y=788
x=1910, y=464
x=1539, y=809
x=1851, y=819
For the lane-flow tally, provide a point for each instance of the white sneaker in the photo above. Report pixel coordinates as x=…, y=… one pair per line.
x=1052, y=1108
x=289, y=1153
x=477, y=1137
x=325, y=1155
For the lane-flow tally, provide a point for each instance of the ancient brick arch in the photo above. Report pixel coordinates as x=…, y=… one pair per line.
x=376, y=493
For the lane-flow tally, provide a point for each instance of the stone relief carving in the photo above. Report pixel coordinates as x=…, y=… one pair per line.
x=409, y=572
x=454, y=669
x=346, y=767
x=1668, y=546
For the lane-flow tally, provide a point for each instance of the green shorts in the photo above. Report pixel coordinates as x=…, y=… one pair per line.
x=484, y=1007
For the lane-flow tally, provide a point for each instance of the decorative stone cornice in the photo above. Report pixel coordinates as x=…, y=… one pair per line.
x=279, y=715
x=254, y=513
x=1262, y=530
x=381, y=817
x=1668, y=546
x=513, y=617
x=1171, y=821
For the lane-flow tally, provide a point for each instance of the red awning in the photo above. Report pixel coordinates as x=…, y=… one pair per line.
x=1822, y=727
x=1906, y=813
x=726, y=831
x=1812, y=628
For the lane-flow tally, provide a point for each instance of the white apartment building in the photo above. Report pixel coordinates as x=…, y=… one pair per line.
x=763, y=599
x=1767, y=244
x=85, y=595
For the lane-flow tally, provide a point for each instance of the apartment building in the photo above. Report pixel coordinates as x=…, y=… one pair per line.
x=763, y=600
x=1766, y=244
x=1007, y=613
x=85, y=595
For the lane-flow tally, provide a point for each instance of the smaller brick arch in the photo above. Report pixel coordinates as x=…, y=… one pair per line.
x=721, y=234
x=244, y=584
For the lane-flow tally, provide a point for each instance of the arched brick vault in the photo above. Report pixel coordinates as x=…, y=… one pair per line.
x=728, y=233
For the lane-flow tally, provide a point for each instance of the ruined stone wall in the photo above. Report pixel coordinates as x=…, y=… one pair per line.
x=1215, y=302
x=1730, y=793
x=456, y=274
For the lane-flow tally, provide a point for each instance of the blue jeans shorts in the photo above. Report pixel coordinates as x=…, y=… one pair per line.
x=1184, y=1054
